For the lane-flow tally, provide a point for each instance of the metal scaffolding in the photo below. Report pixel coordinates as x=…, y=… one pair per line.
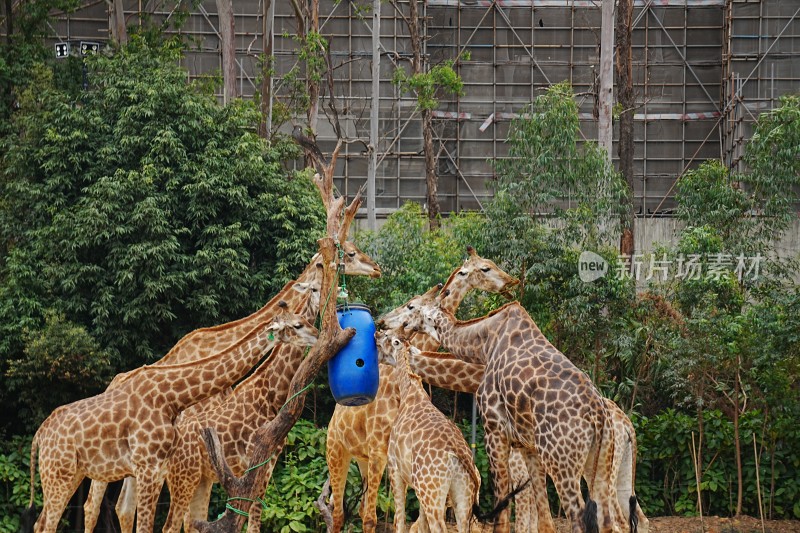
x=703, y=71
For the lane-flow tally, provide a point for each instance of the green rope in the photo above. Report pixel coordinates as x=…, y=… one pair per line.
x=239, y=511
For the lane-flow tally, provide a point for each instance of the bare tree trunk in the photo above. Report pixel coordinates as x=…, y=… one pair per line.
x=119, y=32
x=625, y=99
x=227, y=32
x=418, y=67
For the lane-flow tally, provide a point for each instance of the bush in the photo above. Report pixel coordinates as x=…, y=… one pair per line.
x=665, y=476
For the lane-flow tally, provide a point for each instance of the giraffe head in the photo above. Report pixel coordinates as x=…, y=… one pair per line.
x=389, y=347
x=310, y=283
x=357, y=263
x=426, y=317
x=480, y=273
x=395, y=318
x=291, y=328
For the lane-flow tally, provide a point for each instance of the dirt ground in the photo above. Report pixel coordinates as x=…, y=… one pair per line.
x=710, y=524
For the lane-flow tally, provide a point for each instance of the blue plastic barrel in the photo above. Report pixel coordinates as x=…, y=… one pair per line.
x=353, y=372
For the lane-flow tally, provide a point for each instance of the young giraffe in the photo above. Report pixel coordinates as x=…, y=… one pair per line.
x=253, y=403
x=129, y=430
x=534, y=398
x=426, y=451
x=449, y=372
x=205, y=341
x=363, y=432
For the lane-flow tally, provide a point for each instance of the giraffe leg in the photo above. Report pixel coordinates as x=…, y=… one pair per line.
x=148, y=487
x=198, y=508
x=399, y=489
x=610, y=514
x=463, y=493
x=254, y=518
x=420, y=525
x=568, y=487
x=182, y=486
x=369, y=515
x=497, y=449
x=432, y=504
x=126, y=505
x=541, y=519
x=338, y=464
x=57, y=493
x=94, y=502
x=624, y=482
x=524, y=501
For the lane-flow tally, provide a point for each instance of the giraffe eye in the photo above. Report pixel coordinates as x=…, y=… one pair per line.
x=411, y=307
x=352, y=254
x=485, y=269
x=298, y=326
x=462, y=273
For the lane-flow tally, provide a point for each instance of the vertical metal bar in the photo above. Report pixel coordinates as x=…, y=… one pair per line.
x=374, y=111
x=606, y=96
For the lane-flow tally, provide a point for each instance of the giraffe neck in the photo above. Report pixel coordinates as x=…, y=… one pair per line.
x=213, y=339
x=472, y=340
x=182, y=385
x=447, y=371
x=411, y=389
x=269, y=384
x=458, y=291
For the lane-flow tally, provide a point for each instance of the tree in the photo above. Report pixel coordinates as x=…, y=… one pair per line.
x=426, y=84
x=141, y=209
x=227, y=34
x=555, y=198
x=625, y=101
x=25, y=26
x=728, y=358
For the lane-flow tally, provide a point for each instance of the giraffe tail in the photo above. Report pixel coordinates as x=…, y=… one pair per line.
x=634, y=516
x=501, y=505
x=590, y=517
x=28, y=518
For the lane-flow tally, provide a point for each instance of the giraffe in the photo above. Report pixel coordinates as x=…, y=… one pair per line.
x=129, y=430
x=205, y=341
x=426, y=451
x=449, y=372
x=253, y=403
x=534, y=398
x=362, y=432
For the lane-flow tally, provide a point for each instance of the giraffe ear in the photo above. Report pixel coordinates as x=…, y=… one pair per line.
x=303, y=287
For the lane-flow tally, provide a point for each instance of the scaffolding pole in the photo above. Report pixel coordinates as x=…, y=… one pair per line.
x=374, y=112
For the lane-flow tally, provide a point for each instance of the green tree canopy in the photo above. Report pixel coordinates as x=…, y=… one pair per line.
x=140, y=209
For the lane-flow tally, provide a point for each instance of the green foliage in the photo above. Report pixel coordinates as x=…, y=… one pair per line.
x=61, y=358
x=440, y=79
x=15, y=490
x=548, y=173
x=665, y=476
x=141, y=209
x=707, y=196
x=297, y=480
x=773, y=155
x=412, y=258
x=25, y=48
